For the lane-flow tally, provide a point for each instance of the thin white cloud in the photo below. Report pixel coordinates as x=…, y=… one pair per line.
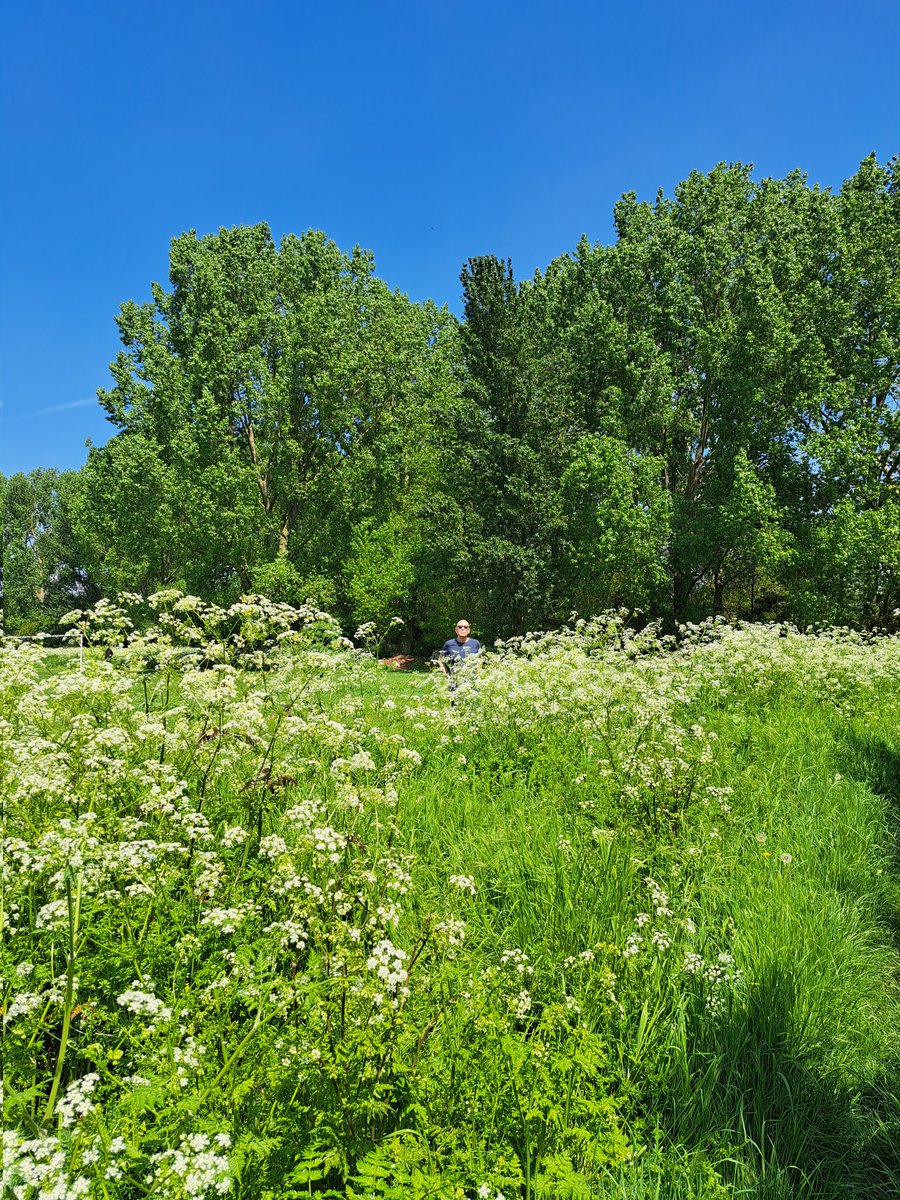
x=55, y=408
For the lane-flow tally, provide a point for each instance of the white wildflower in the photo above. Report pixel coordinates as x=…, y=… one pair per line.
x=386, y=960
x=465, y=883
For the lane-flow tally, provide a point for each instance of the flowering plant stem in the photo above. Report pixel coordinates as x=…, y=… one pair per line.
x=258, y=1024
x=73, y=905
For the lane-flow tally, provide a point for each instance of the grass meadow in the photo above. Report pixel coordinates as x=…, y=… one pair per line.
x=620, y=920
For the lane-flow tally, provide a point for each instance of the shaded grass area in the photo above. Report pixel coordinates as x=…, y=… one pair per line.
x=803, y=1073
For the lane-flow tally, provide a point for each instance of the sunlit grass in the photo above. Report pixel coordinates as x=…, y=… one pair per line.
x=636, y=914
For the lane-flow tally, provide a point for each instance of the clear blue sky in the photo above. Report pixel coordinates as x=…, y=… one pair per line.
x=426, y=131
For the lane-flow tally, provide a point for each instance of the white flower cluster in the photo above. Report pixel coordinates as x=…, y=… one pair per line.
x=198, y=1164
x=633, y=943
x=36, y=1167
x=517, y=960
x=387, y=963
x=452, y=930
x=54, y=915
x=272, y=846
x=720, y=977
x=210, y=875
x=465, y=883
x=143, y=1004
x=520, y=1005
x=76, y=1101
x=329, y=844
x=659, y=898
x=225, y=920
x=396, y=878
x=362, y=760
x=23, y=1004
x=234, y=835
x=582, y=958
x=293, y=934
x=188, y=1059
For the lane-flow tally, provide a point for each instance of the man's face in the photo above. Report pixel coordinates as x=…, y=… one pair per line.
x=462, y=631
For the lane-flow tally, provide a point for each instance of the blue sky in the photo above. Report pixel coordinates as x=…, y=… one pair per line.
x=426, y=132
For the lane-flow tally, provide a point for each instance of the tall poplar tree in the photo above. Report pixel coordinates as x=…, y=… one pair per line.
x=246, y=390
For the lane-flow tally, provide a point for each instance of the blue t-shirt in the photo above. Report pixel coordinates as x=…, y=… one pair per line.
x=457, y=651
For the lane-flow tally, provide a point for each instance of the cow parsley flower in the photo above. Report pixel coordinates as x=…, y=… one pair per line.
x=386, y=960
x=77, y=1101
x=143, y=1004
x=198, y=1163
x=465, y=883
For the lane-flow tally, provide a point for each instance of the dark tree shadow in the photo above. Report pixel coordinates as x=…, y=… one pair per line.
x=875, y=762
x=754, y=1074
x=811, y=1135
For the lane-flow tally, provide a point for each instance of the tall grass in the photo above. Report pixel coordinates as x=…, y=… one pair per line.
x=621, y=921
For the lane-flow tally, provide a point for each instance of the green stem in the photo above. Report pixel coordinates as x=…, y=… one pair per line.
x=525, y=1141
x=251, y=1033
x=74, y=906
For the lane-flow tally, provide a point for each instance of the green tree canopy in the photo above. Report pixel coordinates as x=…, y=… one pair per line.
x=243, y=396
x=702, y=417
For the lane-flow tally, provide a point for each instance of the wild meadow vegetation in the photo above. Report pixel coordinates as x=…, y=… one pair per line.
x=620, y=920
x=618, y=917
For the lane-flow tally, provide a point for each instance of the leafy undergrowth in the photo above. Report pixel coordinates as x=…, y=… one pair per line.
x=620, y=921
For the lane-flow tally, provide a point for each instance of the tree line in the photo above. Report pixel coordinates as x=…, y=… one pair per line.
x=700, y=418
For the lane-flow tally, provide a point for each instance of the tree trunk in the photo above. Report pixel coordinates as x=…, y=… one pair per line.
x=753, y=594
x=290, y=516
x=682, y=586
x=718, y=591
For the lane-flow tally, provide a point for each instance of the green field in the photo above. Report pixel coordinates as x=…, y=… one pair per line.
x=621, y=921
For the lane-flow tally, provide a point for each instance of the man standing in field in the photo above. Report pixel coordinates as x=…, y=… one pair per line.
x=459, y=648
